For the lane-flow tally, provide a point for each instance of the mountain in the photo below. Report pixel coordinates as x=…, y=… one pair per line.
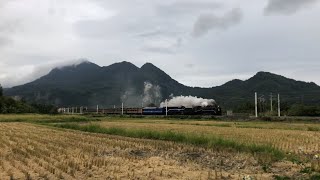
x=87, y=84
x=265, y=83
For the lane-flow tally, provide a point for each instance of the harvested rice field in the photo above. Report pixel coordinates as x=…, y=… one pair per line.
x=296, y=138
x=51, y=147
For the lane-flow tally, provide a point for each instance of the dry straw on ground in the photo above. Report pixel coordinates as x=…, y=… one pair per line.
x=30, y=151
x=294, y=137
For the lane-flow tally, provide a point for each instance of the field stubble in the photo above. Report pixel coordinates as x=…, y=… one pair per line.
x=291, y=138
x=30, y=151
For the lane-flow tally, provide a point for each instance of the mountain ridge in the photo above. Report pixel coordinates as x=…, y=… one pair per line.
x=89, y=84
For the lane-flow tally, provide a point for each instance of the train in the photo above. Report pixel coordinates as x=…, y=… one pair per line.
x=198, y=110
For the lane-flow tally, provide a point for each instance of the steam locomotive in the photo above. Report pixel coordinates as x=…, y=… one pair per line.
x=208, y=110
x=198, y=110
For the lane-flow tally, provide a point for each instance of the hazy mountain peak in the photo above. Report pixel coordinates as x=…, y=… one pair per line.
x=84, y=60
x=126, y=63
x=86, y=63
x=150, y=67
x=262, y=75
x=234, y=82
x=147, y=64
x=122, y=66
x=81, y=64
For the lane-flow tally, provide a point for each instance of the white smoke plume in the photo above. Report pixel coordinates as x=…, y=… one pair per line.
x=151, y=94
x=131, y=98
x=188, y=101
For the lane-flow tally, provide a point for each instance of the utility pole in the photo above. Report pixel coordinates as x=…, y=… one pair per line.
x=166, y=107
x=271, y=102
x=97, y=109
x=279, y=105
x=122, y=109
x=256, y=103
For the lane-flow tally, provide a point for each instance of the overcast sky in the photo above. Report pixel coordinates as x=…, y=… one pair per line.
x=197, y=42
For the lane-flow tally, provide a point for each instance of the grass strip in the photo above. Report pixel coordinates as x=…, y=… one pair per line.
x=44, y=119
x=197, y=140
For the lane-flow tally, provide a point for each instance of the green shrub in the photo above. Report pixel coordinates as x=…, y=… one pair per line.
x=281, y=177
x=303, y=110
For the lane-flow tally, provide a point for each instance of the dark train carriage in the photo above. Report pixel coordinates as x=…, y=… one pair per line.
x=208, y=110
x=125, y=111
x=175, y=110
x=112, y=111
x=153, y=111
x=132, y=111
x=89, y=110
x=189, y=111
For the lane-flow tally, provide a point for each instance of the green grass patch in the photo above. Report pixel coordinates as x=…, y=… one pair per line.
x=64, y=120
x=276, y=177
x=199, y=124
x=307, y=170
x=315, y=177
x=313, y=128
x=44, y=119
x=192, y=139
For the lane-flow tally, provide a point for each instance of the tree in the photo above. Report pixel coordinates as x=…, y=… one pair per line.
x=303, y=110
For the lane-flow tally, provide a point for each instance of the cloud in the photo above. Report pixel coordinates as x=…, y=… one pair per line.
x=287, y=7
x=150, y=33
x=187, y=7
x=161, y=50
x=207, y=22
x=163, y=45
x=14, y=75
x=8, y=26
x=189, y=65
x=160, y=32
x=4, y=41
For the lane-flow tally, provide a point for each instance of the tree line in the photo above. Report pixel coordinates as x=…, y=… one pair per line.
x=297, y=109
x=11, y=105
